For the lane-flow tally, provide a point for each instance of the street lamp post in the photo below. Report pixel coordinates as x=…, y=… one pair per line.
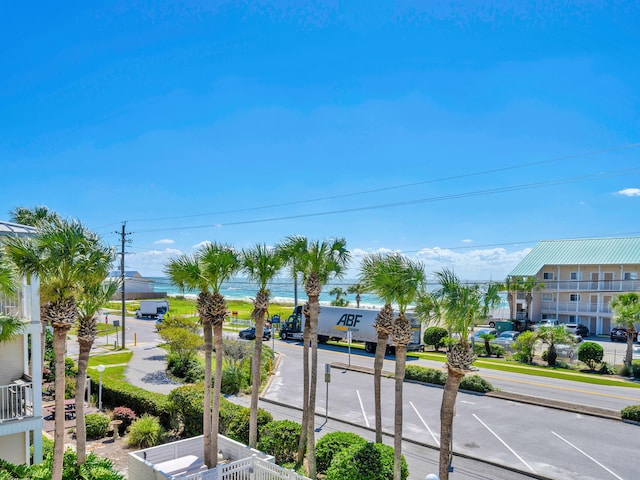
x=100, y=370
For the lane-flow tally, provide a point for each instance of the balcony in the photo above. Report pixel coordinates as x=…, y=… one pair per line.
x=16, y=401
x=592, y=286
x=183, y=460
x=575, y=308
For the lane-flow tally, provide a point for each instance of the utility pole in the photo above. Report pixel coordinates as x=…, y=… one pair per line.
x=123, y=238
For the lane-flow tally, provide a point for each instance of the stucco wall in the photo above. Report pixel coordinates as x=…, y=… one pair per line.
x=11, y=359
x=12, y=448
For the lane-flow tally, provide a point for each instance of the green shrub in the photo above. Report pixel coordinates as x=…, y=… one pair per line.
x=70, y=388
x=497, y=350
x=97, y=425
x=524, y=347
x=145, y=432
x=606, y=369
x=234, y=377
x=635, y=369
x=119, y=392
x=187, y=409
x=70, y=368
x=425, y=374
x=280, y=439
x=476, y=383
x=239, y=427
x=370, y=461
x=590, y=353
x=434, y=336
x=185, y=366
x=228, y=412
x=631, y=412
x=328, y=446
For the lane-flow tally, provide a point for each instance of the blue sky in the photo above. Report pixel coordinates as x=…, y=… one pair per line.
x=460, y=133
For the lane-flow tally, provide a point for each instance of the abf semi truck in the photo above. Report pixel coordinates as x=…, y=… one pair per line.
x=335, y=322
x=153, y=309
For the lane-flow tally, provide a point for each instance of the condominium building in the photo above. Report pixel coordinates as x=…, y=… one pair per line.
x=21, y=373
x=579, y=278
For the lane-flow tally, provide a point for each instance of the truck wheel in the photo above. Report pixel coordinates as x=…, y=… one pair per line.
x=370, y=347
x=322, y=339
x=137, y=315
x=283, y=335
x=492, y=324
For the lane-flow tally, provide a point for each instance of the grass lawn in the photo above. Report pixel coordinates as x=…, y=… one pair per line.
x=110, y=359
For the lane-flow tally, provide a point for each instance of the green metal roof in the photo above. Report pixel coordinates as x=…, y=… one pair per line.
x=587, y=251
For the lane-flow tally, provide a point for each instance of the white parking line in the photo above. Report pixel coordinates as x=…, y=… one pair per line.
x=504, y=443
x=364, y=414
x=425, y=424
x=586, y=455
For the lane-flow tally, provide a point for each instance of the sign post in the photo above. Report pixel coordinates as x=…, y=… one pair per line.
x=327, y=379
x=349, y=343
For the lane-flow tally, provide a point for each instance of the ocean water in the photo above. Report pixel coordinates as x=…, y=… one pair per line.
x=281, y=291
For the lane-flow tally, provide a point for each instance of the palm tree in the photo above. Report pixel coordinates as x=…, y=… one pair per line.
x=456, y=307
x=553, y=336
x=627, y=312
x=61, y=255
x=529, y=285
x=375, y=276
x=321, y=262
x=409, y=280
x=292, y=251
x=33, y=216
x=261, y=264
x=358, y=289
x=93, y=297
x=340, y=301
x=10, y=326
x=206, y=271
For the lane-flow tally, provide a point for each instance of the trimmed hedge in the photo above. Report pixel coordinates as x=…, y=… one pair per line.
x=280, y=439
x=371, y=461
x=631, y=412
x=435, y=336
x=435, y=376
x=97, y=425
x=119, y=392
x=328, y=446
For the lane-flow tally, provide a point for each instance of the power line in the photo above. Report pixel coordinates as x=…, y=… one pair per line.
x=396, y=187
x=477, y=193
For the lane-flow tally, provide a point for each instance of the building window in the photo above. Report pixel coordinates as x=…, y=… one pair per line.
x=574, y=297
x=573, y=319
x=547, y=275
x=574, y=276
x=547, y=297
x=630, y=275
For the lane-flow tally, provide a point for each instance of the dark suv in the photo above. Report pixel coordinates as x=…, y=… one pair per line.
x=619, y=333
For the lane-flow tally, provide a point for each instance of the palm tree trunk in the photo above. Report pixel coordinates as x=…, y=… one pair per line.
x=631, y=334
x=81, y=385
x=256, y=367
x=217, y=385
x=314, y=310
x=59, y=348
x=206, y=417
x=401, y=363
x=302, y=444
x=447, y=412
x=381, y=348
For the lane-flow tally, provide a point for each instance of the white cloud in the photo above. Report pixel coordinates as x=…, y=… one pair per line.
x=202, y=244
x=629, y=192
x=467, y=240
x=151, y=263
x=167, y=241
x=468, y=264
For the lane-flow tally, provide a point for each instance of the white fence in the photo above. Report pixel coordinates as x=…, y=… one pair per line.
x=185, y=459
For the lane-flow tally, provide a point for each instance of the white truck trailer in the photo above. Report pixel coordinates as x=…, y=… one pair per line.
x=335, y=322
x=152, y=309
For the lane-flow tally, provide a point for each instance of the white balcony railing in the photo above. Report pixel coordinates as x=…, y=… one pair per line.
x=16, y=401
x=575, y=307
x=589, y=285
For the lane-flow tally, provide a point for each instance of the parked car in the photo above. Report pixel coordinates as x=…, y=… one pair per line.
x=619, y=333
x=636, y=353
x=250, y=333
x=477, y=334
x=505, y=339
x=577, y=329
